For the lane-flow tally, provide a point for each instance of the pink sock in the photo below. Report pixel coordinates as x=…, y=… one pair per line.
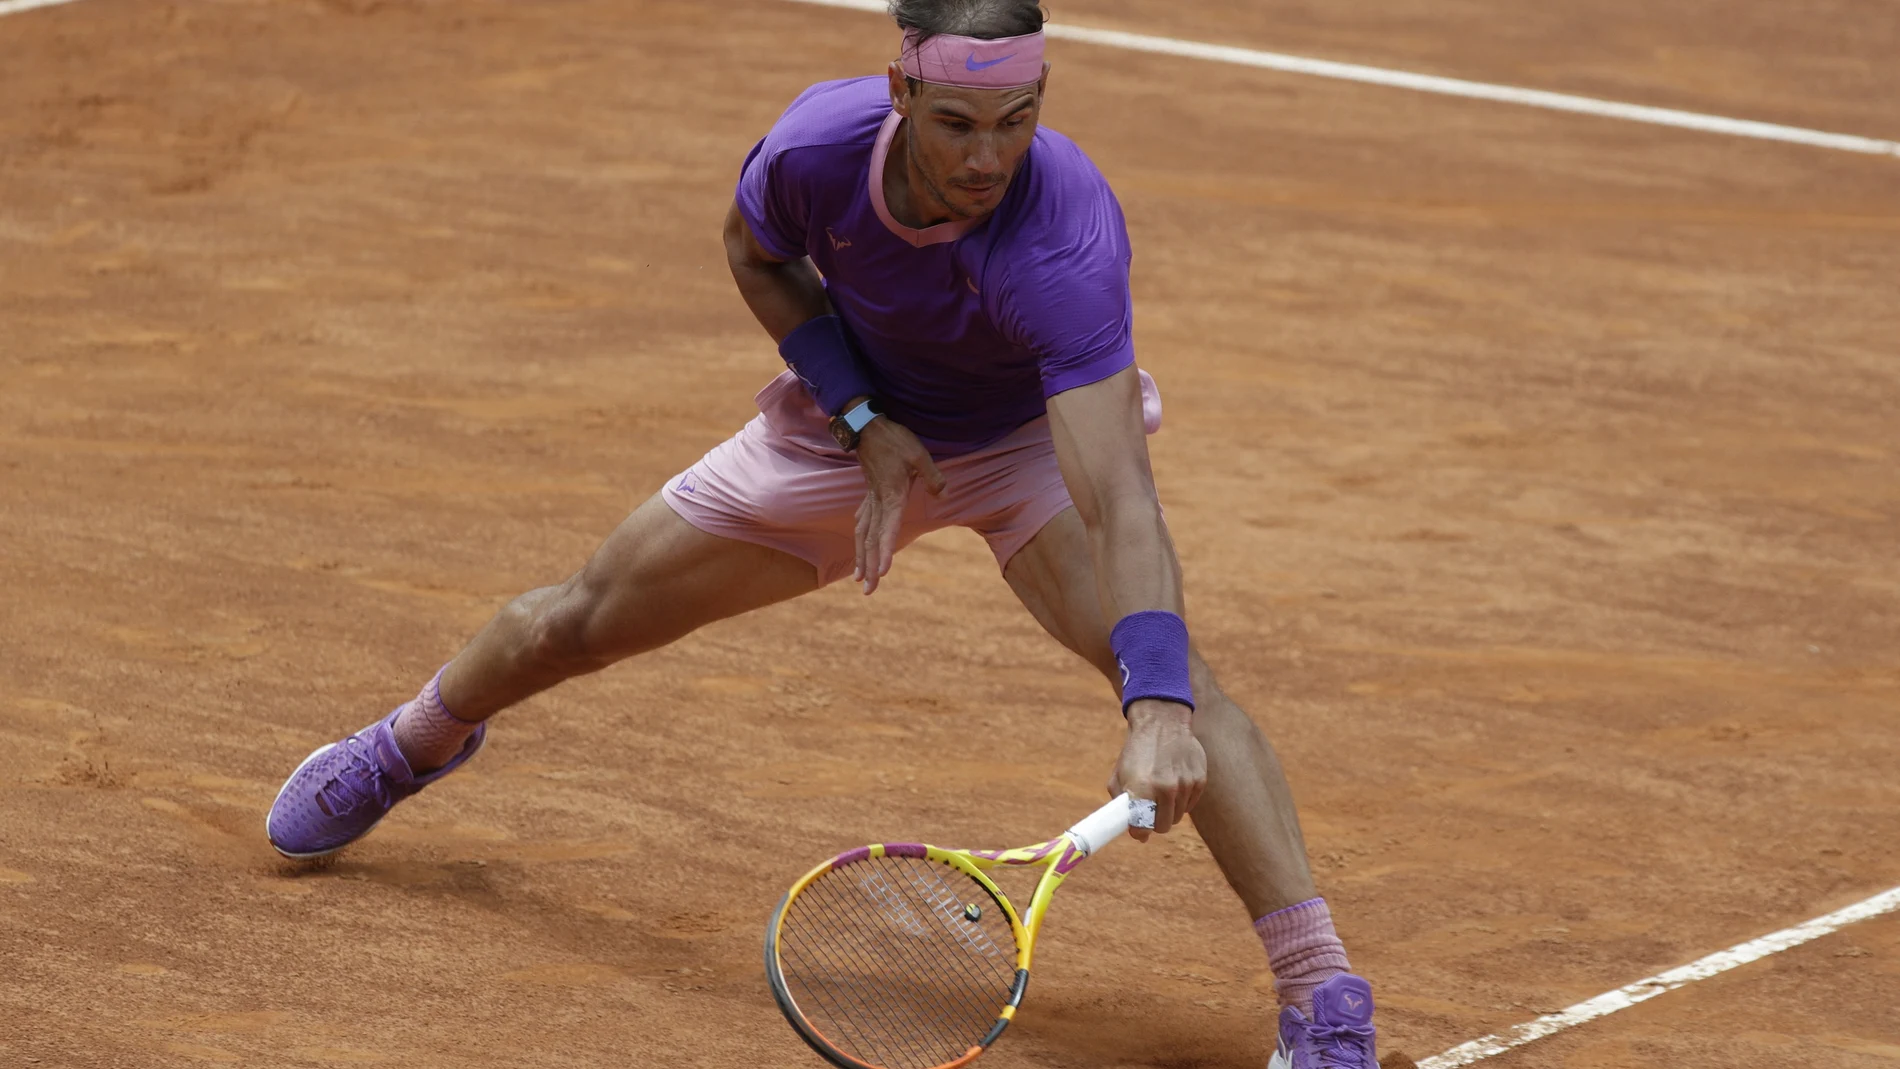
x=428, y=735
x=1303, y=950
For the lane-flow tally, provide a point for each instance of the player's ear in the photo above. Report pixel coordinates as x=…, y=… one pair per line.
x=1042, y=84
x=900, y=90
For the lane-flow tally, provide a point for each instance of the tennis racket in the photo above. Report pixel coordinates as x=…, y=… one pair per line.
x=908, y=956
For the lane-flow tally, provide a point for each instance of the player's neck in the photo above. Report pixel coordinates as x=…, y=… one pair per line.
x=906, y=193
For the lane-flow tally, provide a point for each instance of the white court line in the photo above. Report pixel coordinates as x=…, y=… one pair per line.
x=1642, y=990
x=1458, y=87
x=14, y=7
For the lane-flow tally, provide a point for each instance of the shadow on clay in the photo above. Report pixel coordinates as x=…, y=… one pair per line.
x=464, y=879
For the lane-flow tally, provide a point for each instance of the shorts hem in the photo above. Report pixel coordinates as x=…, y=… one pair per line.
x=741, y=531
x=1035, y=528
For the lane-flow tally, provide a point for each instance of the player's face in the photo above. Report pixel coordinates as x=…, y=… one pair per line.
x=967, y=143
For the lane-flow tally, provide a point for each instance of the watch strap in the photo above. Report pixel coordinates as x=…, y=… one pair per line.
x=861, y=415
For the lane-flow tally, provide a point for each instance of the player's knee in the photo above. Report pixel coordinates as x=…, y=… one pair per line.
x=563, y=636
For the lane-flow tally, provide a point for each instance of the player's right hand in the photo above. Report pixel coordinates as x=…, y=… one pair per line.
x=892, y=458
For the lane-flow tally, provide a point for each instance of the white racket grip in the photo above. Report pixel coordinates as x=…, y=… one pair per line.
x=1103, y=826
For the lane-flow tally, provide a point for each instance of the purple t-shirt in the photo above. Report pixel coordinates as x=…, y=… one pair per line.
x=965, y=329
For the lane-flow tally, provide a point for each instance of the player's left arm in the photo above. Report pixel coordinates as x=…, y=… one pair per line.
x=1103, y=452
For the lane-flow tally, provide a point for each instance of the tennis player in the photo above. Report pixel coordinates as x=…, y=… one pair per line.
x=948, y=285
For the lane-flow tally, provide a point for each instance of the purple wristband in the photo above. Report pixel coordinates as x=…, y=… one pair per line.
x=820, y=354
x=1152, y=649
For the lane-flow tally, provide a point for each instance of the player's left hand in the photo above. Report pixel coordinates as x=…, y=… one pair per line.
x=892, y=458
x=1161, y=760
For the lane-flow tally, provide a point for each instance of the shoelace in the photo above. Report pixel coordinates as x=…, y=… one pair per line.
x=358, y=783
x=1345, y=1048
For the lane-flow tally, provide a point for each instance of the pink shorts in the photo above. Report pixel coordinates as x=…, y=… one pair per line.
x=783, y=482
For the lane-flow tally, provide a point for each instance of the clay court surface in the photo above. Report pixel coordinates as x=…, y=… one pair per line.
x=1534, y=475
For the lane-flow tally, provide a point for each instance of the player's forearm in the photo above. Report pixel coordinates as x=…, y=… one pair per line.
x=1140, y=585
x=1135, y=565
x=788, y=299
x=1100, y=446
x=781, y=296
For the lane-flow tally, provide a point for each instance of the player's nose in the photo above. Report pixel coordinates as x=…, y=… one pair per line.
x=983, y=154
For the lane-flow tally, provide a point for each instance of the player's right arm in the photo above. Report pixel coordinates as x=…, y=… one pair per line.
x=785, y=295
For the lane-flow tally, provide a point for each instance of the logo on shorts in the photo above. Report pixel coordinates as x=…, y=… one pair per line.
x=689, y=482
x=972, y=65
x=836, y=241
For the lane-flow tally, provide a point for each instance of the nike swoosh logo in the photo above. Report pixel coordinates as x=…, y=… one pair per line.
x=971, y=64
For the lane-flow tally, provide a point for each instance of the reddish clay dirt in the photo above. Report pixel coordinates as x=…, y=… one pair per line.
x=1534, y=476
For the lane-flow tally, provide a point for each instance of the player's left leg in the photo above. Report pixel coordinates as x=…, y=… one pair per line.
x=1246, y=815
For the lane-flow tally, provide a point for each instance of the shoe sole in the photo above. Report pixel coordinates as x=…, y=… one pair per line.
x=292, y=778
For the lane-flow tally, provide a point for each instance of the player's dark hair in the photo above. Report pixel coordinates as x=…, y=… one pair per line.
x=987, y=19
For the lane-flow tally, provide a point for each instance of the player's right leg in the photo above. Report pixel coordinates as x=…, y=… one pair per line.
x=655, y=579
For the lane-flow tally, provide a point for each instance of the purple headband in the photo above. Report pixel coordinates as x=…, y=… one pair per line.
x=972, y=62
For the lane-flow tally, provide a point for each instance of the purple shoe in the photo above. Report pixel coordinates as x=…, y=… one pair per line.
x=339, y=793
x=1340, y=1035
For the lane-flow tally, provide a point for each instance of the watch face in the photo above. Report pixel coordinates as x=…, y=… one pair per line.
x=846, y=437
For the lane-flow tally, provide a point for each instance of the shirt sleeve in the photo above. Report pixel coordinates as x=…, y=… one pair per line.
x=1067, y=299
x=773, y=201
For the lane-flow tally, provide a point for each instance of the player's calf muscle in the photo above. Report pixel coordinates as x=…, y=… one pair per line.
x=1247, y=817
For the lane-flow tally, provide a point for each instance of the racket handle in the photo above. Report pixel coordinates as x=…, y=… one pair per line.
x=1103, y=826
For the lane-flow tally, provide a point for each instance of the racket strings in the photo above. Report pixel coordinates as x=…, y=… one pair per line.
x=883, y=1026
x=912, y=1022
x=923, y=1026
x=888, y=963
x=894, y=1033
